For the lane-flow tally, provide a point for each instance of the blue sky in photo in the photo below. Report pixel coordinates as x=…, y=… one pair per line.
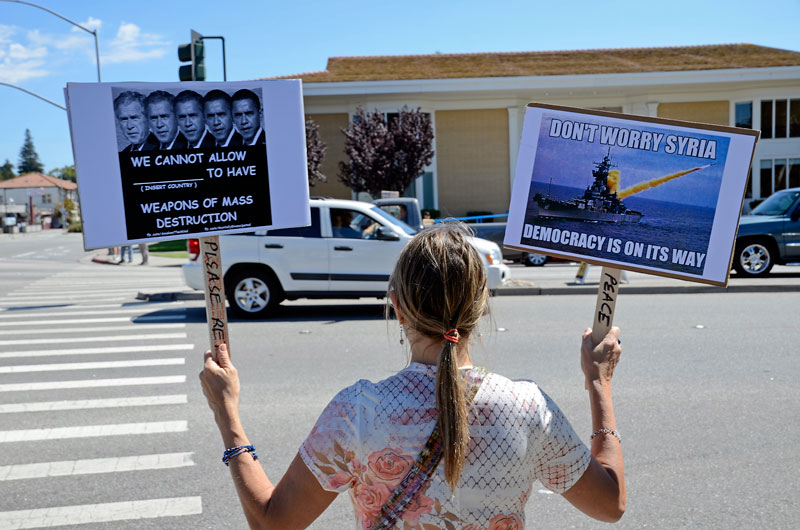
x=570, y=163
x=138, y=41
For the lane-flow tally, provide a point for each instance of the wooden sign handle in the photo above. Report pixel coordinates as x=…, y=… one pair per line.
x=607, y=293
x=216, y=314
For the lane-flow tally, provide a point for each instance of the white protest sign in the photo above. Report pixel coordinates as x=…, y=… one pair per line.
x=645, y=194
x=161, y=161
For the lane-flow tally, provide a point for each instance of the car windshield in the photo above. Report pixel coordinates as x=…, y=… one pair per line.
x=393, y=220
x=777, y=203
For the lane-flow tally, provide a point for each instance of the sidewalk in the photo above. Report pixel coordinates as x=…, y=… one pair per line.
x=553, y=279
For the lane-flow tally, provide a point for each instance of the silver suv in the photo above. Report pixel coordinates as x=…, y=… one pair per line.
x=348, y=251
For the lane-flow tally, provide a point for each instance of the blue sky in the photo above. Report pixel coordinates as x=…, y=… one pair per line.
x=138, y=40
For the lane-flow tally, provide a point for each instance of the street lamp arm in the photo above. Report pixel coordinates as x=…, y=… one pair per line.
x=34, y=94
x=62, y=17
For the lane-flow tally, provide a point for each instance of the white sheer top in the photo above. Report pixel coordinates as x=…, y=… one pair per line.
x=370, y=434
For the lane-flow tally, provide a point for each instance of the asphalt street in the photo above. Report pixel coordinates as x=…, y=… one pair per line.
x=101, y=414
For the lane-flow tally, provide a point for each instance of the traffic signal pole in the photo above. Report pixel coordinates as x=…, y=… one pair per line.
x=224, y=68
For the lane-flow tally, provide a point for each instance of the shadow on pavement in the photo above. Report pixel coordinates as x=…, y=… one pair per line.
x=326, y=312
x=773, y=275
x=183, y=315
x=323, y=312
x=33, y=307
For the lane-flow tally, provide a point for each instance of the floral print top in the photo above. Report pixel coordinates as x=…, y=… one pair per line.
x=370, y=435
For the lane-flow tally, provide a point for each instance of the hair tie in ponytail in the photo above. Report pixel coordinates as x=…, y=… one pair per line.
x=451, y=335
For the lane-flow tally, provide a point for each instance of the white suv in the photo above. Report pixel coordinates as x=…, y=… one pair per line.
x=349, y=251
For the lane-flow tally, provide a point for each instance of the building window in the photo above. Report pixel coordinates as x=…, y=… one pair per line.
x=779, y=169
x=794, y=118
x=744, y=115
x=780, y=118
x=766, y=178
x=47, y=199
x=766, y=119
x=794, y=173
x=779, y=174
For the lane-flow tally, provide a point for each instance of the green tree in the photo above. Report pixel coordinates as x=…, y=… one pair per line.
x=28, y=158
x=7, y=171
x=386, y=156
x=65, y=173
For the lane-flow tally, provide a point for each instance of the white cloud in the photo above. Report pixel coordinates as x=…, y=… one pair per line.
x=19, y=62
x=131, y=45
x=17, y=71
x=64, y=42
x=31, y=54
x=6, y=32
x=92, y=23
x=19, y=52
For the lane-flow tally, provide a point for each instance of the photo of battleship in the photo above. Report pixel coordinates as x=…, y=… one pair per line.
x=640, y=194
x=599, y=202
x=644, y=199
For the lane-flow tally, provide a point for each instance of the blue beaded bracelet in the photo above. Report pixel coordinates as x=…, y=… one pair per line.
x=233, y=452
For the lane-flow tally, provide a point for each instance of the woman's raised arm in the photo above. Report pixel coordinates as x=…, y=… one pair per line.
x=600, y=492
x=298, y=499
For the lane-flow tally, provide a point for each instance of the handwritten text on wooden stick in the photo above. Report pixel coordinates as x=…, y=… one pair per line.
x=215, y=291
x=607, y=293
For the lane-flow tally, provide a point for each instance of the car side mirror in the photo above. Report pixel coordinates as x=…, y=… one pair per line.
x=385, y=233
x=795, y=214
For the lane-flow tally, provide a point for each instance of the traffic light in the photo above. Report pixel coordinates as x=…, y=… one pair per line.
x=194, y=52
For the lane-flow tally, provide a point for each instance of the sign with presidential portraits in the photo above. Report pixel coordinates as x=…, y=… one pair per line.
x=160, y=161
x=646, y=194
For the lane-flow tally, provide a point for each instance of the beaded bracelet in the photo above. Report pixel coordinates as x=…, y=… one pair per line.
x=607, y=431
x=233, y=452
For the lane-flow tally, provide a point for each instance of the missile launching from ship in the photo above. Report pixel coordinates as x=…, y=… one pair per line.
x=648, y=184
x=602, y=200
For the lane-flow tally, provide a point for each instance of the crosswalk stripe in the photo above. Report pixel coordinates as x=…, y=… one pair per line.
x=95, y=466
x=93, y=383
x=66, y=321
x=49, y=293
x=65, y=296
x=104, y=365
x=95, y=282
x=100, y=513
x=92, y=320
x=109, y=338
x=97, y=351
x=175, y=307
x=131, y=325
x=76, y=292
x=119, y=282
x=50, y=406
x=93, y=431
x=57, y=302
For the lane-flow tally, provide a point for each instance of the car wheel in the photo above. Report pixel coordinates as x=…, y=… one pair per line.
x=753, y=259
x=531, y=259
x=253, y=293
